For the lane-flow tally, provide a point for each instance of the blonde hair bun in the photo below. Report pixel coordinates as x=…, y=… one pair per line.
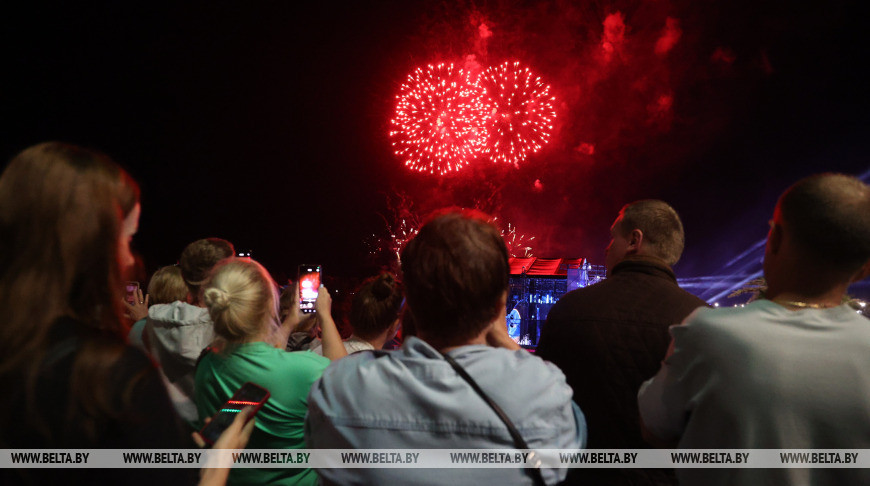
x=242, y=299
x=216, y=299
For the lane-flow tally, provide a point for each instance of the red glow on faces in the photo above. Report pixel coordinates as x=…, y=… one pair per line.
x=521, y=112
x=438, y=123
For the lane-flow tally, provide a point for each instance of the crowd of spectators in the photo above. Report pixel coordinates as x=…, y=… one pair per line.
x=632, y=362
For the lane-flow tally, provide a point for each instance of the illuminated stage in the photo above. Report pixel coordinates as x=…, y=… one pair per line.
x=538, y=283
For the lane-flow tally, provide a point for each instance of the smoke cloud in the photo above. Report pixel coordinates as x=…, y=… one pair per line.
x=670, y=36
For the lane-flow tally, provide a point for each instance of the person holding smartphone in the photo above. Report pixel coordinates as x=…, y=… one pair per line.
x=460, y=383
x=69, y=379
x=375, y=314
x=242, y=300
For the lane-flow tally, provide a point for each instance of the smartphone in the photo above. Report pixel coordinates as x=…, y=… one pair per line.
x=131, y=288
x=309, y=282
x=248, y=395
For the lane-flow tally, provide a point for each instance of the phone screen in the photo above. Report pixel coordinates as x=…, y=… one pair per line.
x=249, y=395
x=131, y=288
x=309, y=283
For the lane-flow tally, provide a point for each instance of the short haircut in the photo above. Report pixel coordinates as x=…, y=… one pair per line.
x=376, y=305
x=167, y=286
x=199, y=257
x=660, y=224
x=241, y=298
x=455, y=273
x=828, y=216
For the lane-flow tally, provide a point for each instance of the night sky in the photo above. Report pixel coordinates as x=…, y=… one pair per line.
x=266, y=123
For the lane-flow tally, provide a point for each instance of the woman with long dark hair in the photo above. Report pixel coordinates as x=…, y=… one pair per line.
x=67, y=375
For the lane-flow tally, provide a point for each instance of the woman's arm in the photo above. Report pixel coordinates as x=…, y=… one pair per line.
x=234, y=437
x=333, y=348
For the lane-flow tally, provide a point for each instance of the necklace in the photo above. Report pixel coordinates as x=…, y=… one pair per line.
x=803, y=305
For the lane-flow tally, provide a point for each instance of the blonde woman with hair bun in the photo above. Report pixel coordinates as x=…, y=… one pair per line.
x=242, y=300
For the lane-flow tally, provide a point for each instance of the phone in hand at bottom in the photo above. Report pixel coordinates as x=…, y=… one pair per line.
x=249, y=395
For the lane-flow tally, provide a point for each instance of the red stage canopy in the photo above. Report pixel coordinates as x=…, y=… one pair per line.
x=543, y=267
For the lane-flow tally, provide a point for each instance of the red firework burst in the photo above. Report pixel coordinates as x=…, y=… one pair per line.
x=439, y=121
x=521, y=112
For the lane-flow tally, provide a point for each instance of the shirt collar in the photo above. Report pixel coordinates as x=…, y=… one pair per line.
x=649, y=265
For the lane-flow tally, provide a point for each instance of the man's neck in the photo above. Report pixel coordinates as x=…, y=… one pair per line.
x=795, y=299
x=645, y=258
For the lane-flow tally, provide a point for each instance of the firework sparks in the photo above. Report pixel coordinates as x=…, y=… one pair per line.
x=521, y=112
x=439, y=121
x=395, y=241
x=400, y=237
x=518, y=245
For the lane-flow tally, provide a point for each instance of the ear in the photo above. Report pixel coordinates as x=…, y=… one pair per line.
x=502, y=303
x=394, y=328
x=635, y=241
x=774, y=239
x=862, y=273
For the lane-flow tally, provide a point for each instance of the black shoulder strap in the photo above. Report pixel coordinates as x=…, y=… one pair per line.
x=519, y=442
x=202, y=355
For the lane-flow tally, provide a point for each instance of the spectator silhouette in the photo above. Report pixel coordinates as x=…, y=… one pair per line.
x=789, y=371
x=69, y=380
x=243, y=302
x=165, y=287
x=610, y=337
x=178, y=332
x=374, y=314
x=456, y=277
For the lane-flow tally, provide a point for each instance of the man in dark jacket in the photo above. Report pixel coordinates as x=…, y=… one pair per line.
x=610, y=337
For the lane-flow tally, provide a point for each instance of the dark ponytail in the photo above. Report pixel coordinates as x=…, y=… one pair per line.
x=376, y=305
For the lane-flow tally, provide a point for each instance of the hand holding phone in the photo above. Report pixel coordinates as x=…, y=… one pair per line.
x=249, y=395
x=132, y=295
x=309, y=278
x=323, y=304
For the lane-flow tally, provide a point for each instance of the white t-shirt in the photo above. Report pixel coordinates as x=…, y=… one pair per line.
x=764, y=377
x=352, y=345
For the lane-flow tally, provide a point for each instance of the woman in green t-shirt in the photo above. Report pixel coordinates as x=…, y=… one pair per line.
x=243, y=303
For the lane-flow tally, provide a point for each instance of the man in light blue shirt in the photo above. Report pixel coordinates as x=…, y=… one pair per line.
x=456, y=276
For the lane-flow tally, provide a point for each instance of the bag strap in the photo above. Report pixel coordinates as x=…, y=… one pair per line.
x=205, y=351
x=519, y=442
